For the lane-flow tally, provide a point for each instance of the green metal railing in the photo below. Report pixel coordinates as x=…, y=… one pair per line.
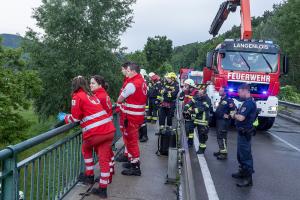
x=47, y=174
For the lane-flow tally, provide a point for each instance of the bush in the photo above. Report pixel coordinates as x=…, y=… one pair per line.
x=289, y=93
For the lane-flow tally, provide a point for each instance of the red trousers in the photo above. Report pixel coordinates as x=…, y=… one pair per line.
x=102, y=146
x=131, y=135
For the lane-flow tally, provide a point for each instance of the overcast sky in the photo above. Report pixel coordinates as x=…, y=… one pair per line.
x=183, y=21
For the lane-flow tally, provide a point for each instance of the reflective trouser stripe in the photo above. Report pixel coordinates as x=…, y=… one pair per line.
x=202, y=145
x=89, y=160
x=88, y=168
x=104, y=182
x=105, y=174
x=135, y=160
x=191, y=135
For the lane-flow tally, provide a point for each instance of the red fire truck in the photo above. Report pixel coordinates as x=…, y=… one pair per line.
x=259, y=63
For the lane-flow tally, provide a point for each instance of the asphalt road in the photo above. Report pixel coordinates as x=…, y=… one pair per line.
x=276, y=162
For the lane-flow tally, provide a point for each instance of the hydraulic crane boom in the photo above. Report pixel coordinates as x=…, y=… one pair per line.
x=231, y=6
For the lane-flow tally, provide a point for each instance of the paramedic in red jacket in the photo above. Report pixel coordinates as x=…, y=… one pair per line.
x=97, y=131
x=133, y=101
x=99, y=88
x=124, y=157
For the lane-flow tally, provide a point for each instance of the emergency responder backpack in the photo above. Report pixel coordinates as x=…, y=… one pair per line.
x=166, y=139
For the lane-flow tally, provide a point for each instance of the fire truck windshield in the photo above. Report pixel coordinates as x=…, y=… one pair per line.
x=248, y=61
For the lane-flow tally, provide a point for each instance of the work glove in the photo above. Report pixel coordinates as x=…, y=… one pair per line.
x=193, y=116
x=61, y=116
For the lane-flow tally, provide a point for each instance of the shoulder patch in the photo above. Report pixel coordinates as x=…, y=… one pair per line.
x=243, y=109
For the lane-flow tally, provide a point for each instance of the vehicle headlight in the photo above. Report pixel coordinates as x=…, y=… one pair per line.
x=273, y=108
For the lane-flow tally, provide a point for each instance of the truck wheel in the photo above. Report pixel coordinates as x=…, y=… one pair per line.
x=265, y=123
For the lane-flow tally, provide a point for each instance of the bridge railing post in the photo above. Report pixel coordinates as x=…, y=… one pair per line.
x=9, y=175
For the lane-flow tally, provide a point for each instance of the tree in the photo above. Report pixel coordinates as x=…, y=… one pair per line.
x=286, y=21
x=17, y=89
x=139, y=58
x=158, y=50
x=79, y=39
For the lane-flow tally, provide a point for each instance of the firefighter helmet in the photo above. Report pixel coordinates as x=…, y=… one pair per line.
x=151, y=74
x=172, y=75
x=190, y=82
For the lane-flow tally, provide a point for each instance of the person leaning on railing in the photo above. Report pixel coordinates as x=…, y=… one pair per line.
x=97, y=132
x=99, y=87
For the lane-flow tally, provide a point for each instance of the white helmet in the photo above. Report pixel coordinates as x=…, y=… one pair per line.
x=151, y=74
x=190, y=82
x=143, y=73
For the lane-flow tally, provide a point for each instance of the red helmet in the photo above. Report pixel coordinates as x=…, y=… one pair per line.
x=155, y=78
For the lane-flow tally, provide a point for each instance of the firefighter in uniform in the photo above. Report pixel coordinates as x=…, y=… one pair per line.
x=99, y=87
x=143, y=131
x=199, y=108
x=97, y=132
x=223, y=120
x=244, y=119
x=133, y=101
x=167, y=97
x=153, y=91
x=189, y=91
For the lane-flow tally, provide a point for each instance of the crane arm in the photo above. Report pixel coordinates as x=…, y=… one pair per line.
x=231, y=6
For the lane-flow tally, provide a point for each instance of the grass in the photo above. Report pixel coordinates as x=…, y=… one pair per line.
x=36, y=126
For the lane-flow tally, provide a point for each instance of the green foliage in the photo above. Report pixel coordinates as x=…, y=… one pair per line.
x=139, y=58
x=290, y=93
x=286, y=22
x=80, y=38
x=17, y=89
x=158, y=50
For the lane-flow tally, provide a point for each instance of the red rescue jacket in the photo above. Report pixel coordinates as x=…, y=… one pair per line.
x=134, y=106
x=105, y=101
x=93, y=118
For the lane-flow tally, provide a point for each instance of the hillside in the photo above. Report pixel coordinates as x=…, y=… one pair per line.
x=11, y=41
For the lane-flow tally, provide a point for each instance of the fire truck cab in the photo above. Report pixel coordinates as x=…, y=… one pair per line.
x=257, y=63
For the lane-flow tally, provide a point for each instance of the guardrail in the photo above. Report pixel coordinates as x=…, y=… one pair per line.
x=288, y=104
x=48, y=174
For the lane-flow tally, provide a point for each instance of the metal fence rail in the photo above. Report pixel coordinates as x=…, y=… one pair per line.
x=288, y=104
x=48, y=174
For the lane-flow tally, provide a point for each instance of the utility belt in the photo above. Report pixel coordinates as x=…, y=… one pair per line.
x=246, y=132
x=167, y=104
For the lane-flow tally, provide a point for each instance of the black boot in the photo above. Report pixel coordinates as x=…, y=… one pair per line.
x=87, y=180
x=126, y=165
x=246, y=182
x=201, y=151
x=239, y=175
x=190, y=142
x=122, y=158
x=100, y=192
x=144, y=138
x=216, y=154
x=160, y=131
x=134, y=170
x=222, y=156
